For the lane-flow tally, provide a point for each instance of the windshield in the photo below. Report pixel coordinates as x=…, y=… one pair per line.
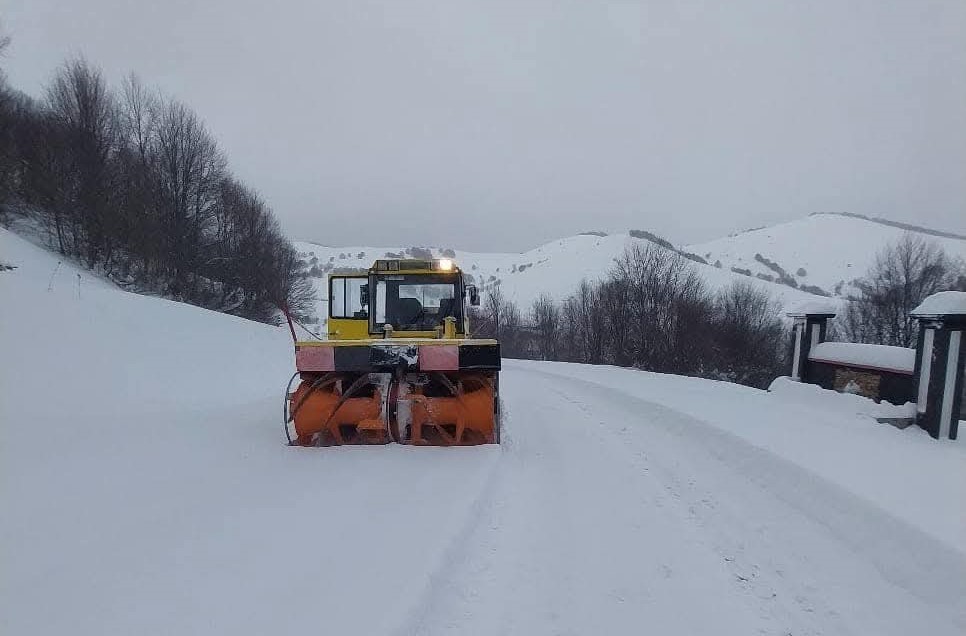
x=417, y=302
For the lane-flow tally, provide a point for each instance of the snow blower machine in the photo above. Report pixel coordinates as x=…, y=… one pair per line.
x=398, y=365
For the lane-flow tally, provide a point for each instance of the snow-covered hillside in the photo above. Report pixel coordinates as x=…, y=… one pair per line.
x=822, y=254
x=827, y=251
x=555, y=268
x=146, y=489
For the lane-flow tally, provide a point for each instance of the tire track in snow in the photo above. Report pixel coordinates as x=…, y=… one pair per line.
x=610, y=514
x=462, y=527
x=811, y=554
x=477, y=537
x=571, y=541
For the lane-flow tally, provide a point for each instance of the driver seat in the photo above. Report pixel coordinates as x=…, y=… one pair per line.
x=407, y=310
x=447, y=307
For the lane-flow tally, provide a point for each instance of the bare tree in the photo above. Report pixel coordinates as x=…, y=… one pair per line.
x=500, y=318
x=904, y=273
x=139, y=200
x=140, y=110
x=545, y=319
x=138, y=188
x=652, y=311
x=586, y=317
x=666, y=301
x=190, y=168
x=80, y=104
x=513, y=335
x=615, y=294
x=748, y=336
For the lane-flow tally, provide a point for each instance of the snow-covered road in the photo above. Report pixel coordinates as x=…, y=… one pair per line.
x=609, y=513
x=601, y=513
x=145, y=488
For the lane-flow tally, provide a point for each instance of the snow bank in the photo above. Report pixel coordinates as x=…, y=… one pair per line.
x=869, y=356
x=816, y=397
x=902, y=471
x=942, y=303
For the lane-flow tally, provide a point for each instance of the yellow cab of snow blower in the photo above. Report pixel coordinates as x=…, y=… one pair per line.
x=399, y=364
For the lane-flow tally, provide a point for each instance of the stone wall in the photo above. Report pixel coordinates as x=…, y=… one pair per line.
x=895, y=388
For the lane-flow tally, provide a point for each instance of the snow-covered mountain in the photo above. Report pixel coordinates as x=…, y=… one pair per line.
x=555, y=268
x=820, y=255
x=823, y=253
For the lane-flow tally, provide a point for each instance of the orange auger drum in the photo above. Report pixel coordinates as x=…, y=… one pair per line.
x=421, y=409
x=325, y=415
x=398, y=365
x=469, y=415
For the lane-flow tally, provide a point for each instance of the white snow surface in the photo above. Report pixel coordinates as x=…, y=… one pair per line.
x=832, y=249
x=555, y=268
x=811, y=307
x=942, y=303
x=848, y=403
x=886, y=357
x=146, y=489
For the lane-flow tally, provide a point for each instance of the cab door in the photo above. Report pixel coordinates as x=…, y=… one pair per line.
x=348, y=317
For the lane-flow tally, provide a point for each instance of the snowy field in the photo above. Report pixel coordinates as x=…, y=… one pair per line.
x=146, y=489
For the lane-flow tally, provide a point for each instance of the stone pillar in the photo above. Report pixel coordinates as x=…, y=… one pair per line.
x=810, y=327
x=940, y=352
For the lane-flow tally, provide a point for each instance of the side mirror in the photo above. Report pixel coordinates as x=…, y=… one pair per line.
x=474, y=295
x=364, y=295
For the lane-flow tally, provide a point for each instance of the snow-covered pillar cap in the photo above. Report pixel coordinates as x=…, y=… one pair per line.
x=946, y=304
x=812, y=309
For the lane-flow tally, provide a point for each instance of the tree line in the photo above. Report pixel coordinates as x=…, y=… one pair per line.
x=652, y=311
x=132, y=184
x=903, y=274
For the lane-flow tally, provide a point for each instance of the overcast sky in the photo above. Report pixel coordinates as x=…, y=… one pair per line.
x=497, y=125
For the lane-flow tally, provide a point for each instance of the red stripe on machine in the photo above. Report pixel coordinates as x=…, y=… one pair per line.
x=315, y=359
x=439, y=358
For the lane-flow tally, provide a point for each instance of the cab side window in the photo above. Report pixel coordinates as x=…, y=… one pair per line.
x=345, y=297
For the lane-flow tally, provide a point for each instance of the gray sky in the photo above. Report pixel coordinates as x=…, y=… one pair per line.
x=496, y=125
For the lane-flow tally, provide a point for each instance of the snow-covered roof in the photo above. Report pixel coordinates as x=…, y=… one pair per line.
x=868, y=356
x=811, y=308
x=942, y=304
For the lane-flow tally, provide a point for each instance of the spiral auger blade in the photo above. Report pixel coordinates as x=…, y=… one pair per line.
x=435, y=409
